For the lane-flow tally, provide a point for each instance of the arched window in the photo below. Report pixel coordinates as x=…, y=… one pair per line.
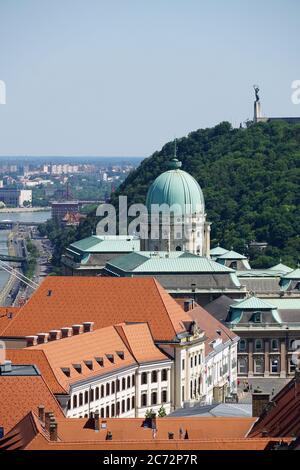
x=195, y=361
x=75, y=401
x=132, y=402
x=258, y=345
x=97, y=393
x=102, y=412
x=274, y=344
x=91, y=394
x=80, y=399
x=242, y=345
x=107, y=389
x=107, y=412
x=153, y=398
x=144, y=378
x=192, y=362
x=128, y=404
x=102, y=391
x=178, y=248
x=164, y=375
x=123, y=383
x=154, y=376
x=191, y=389
x=128, y=381
x=86, y=397
x=118, y=385
x=123, y=406
x=112, y=410
x=113, y=387
x=118, y=408
x=133, y=380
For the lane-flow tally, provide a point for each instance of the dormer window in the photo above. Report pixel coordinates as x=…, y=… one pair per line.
x=257, y=317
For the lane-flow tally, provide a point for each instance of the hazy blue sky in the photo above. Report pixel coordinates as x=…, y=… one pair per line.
x=122, y=77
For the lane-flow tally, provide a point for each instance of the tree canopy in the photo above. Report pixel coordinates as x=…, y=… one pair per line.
x=250, y=180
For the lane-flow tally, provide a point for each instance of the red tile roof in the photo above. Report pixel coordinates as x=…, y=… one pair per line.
x=203, y=433
x=211, y=326
x=64, y=301
x=139, y=341
x=282, y=418
x=4, y=316
x=38, y=358
x=21, y=394
x=64, y=353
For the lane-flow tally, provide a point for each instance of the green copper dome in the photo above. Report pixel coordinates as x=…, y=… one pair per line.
x=176, y=186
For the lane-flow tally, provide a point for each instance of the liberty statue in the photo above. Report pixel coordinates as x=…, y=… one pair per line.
x=256, y=89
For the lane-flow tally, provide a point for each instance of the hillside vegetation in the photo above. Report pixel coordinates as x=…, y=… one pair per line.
x=250, y=180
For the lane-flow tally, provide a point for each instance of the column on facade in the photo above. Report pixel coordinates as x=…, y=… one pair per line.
x=149, y=389
x=169, y=385
x=250, y=358
x=159, y=375
x=138, y=404
x=282, y=357
x=267, y=358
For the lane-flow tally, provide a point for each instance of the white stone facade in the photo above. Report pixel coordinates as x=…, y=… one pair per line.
x=128, y=393
x=220, y=372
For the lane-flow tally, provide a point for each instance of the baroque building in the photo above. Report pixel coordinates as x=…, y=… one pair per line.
x=176, y=211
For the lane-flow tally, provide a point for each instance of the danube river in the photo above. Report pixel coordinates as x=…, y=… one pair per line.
x=40, y=216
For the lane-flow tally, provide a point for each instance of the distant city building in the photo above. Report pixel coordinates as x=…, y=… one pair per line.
x=60, y=209
x=16, y=197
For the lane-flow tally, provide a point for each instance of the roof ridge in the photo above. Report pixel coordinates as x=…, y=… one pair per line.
x=157, y=285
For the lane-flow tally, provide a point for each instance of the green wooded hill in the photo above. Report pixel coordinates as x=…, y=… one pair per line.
x=250, y=180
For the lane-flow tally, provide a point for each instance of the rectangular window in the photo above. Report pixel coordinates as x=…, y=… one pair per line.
x=275, y=365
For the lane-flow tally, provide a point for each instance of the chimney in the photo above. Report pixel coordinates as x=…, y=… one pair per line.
x=31, y=340
x=88, y=326
x=54, y=335
x=41, y=413
x=53, y=431
x=77, y=329
x=48, y=416
x=42, y=338
x=259, y=403
x=96, y=420
x=66, y=332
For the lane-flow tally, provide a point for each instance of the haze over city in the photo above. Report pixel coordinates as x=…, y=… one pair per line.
x=121, y=78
